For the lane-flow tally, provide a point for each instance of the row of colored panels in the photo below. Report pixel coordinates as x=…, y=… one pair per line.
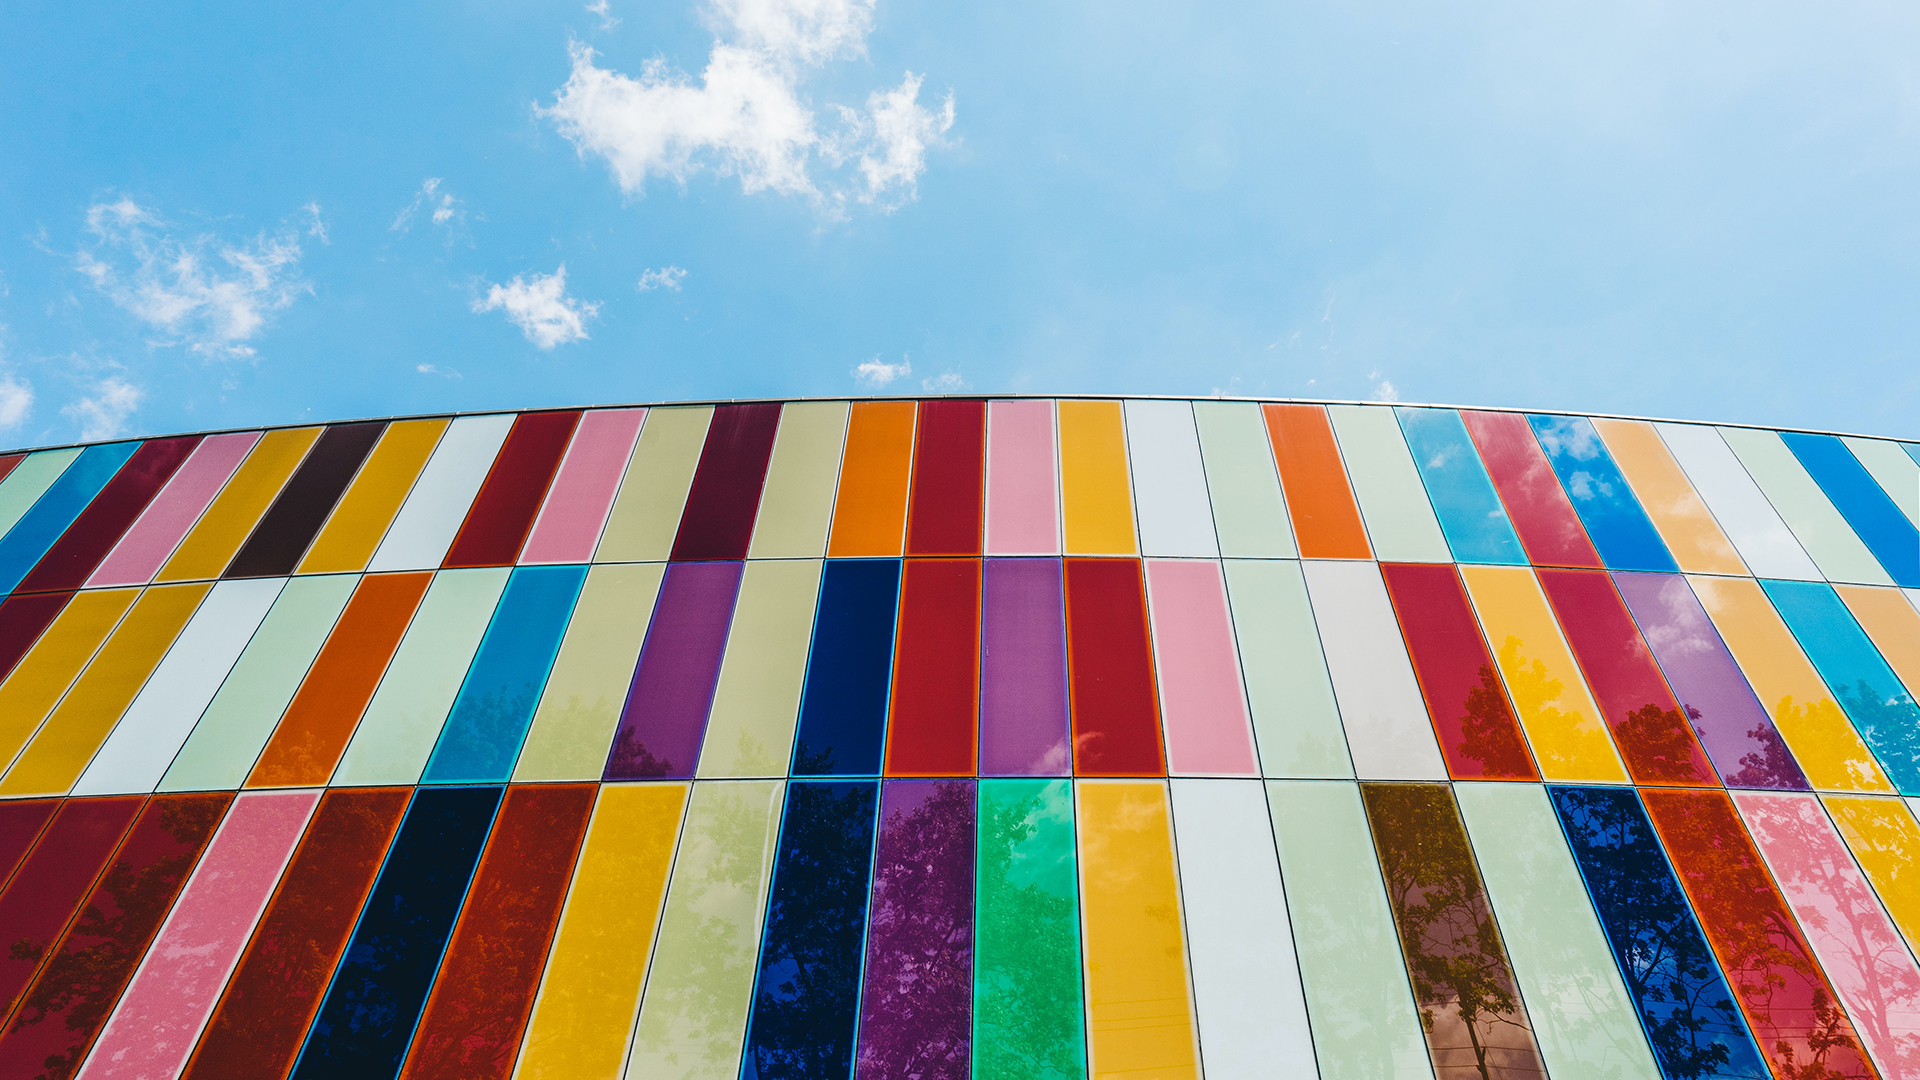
x=958, y=667
x=954, y=928
x=949, y=477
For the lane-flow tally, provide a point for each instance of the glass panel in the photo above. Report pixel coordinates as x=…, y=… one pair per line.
x=582, y=492
x=1613, y=518
x=23, y=618
x=666, y=708
x=1896, y=473
x=1399, y=519
x=368, y=507
x=933, y=724
x=757, y=701
x=1888, y=533
x=1750, y=521
x=41, y=527
x=1882, y=711
x=21, y=821
x=843, y=713
x=1815, y=523
x=1325, y=520
x=646, y=512
x=165, y=521
x=1380, y=706
x=949, y=470
x=1203, y=707
x=43, y=675
x=1116, y=721
x=226, y=524
x=1892, y=622
x=1685, y=523
x=1295, y=720
x=870, y=508
x=1169, y=483
x=1023, y=498
x=1551, y=533
x=30, y=479
x=425, y=527
x=1475, y=523
x=296, y=515
x=1886, y=842
x=581, y=704
x=796, y=506
x=725, y=496
x=503, y=511
x=1026, y=991
x=1096, y=504
x=52, y=881
x=1249, y=512
x=1023, y=669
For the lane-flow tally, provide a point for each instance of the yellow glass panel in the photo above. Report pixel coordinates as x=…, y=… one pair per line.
x=591, y=991
x=44, y=674
x=354, y=531
x=1893, y=625
x=1886, y=842
x=1677, y=511
x=1823, y=742
x=1139, y=1012
x=1558, y=712
x=71, y=736
x=224, y=527
x=1096, y=496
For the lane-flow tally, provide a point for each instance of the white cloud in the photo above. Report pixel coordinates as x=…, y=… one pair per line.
x=16, y=396
x=1383, y=389
x=607, y=21
x=103, y=414
x=541, y=308
x=877, y=373
x=316, y=227
x=947, y=383
x=667, y=277
x=433, y=369
x=176, y=288
x=441, y=208
x=891, y=140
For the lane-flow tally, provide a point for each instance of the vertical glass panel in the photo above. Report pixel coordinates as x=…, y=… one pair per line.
x=1325, y=520
x=52, y=881
x=796, y=506
x=368, y=507
x=1734, y=729
x=1685, y=523
x=1896, y=473
x=149, y=541
x=725, y=496
x=1657, y=742
x=1685, y=1006
x=1169, y=482
x=43, y=675
x=424, y=529
x=1399, y=519
x=294, y=519
x=1750, y=521
x=1887, y=532
x=1470, y=1005
x=581, y=704
x=1116, y=719
x=23, y=618
x=582, y=492
x=701, y=982
x=1296, y=721
x=949, y=475
x=916, y=1008
x=1096, y=504
x=30, y=479
x=933, y=724
x=843, y=712
x=584, y=1014
x=1203, y=707
x=503, y=510
x=1023, y=497
x=226, y=524
x=471, y=1027
x=1475, y=523
x=1826, y=747
x=403, y=721
x=1892, y=622
x=1380, y=705
x=1249, y=512
x=1885, y=841
x=263, y=1014
x=646, y=512
x=807, y=992
x=1562, y=723
x=666, y=710
x=870, y=508
x=41, y=527
x=1583, y=1021
x=1027, y=1018
x=1364, y=1020
x=1465, y=700
x=1820, y=529
x=1246, y=980
x=1539, y=509
x=757, y=701
x=1613, y=518
x=1023, y=669
x=1139, y=1011
x=1882, y=710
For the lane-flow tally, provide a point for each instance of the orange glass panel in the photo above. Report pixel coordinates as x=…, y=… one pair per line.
x=1893, y=625
x=870, y=512
x=1683, y=519
x=1326, y=522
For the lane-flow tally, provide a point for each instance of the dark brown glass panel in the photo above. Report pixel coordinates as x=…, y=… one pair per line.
x=473, y=1021
x=74, y=557
x=260, y=1021
x=9, y=462
x=70, y=1000
x=725, y=496
x=503, y=512
x=1116, y=713
x=949, y=478
x=20, y=825
x=290, y=524
x=50, y=883
x=1475, y=1024
x=22, y=620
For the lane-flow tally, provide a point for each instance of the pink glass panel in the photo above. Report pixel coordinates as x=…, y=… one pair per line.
x=1023, y=516
x=138, y=555
x=582, y=493
x=1201, y=703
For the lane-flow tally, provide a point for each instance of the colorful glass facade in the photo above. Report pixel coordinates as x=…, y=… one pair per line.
x=957, y=738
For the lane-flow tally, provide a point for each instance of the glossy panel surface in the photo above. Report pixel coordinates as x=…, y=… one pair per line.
x=843, y=711
x=1169, y=482
x=503, y=510
x=424, y=529
x=1885, y=841
x=721, y=504
x=1249, y=512
x=1750, y=522
x=40, y=528
x=1400, y=521
x=1326, y=523
x=587, y=689
x=1296, y=721
x=1096, y=504
x=1876, y=520
x=1023, y=496
x=1691, y=534
x=870, y=507
x=796, y=506
x=27, y=480
x=949, y=476
x=354, y=531
x=1808, y=512
x=1023, y=669
x=52, y=880
x=146, y=545
x=582, y=492
x=1380, y=706
x=756, y=705
x=1893, y=623
x=932, y=725
x=1882, y=710
x=646, y=512
x=666, y=708
x=1896, y=473
x=1535, y=502
x=294, y=519
x=1619, y=528
x=1027, y=1008
x=1116, y=716
x=23, y=618
x=56, y=659
x=1475, y=523
x=226, y=524
x=1202, y=705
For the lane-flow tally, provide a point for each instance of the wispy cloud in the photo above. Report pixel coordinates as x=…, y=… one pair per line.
x=1383, y=389
x=16, y=395
x=440, y=207
x=103, y=413
x=435, y=369
x=541, y=308
x=949, y=382
x=316, y=227
x=607, y=20
x=667, y=277
x=877, y=373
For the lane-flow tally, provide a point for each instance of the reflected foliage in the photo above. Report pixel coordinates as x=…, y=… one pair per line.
x=1566, y=741
x=1890, y=723
x=1660, y=746
x=483, y=737
x=1770, y=766
x=1488, y=733
x=1027, y=1010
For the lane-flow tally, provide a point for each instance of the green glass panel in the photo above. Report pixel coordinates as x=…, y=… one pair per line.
x=1393, y=501
x=757, y=701
x=1295, y=719
x=588, y=687
x=1249, y=511
x=796, y=504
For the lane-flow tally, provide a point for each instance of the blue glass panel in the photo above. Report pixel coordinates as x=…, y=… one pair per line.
x=1471, y=516
x=1913, y=451
x=482, y=737
x=1688, y=1012
x=36, y=532
x=843, y=711
x=381, y=985
x=1600, y=494
x=808, y=988
x=1862, y=501
x=1882, y=710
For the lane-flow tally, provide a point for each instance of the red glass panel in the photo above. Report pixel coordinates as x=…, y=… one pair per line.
x=50, y=883
x=725, y=496
x=22, y=620
x=1464, y=696
x=78, y=552
x=20, y=825
x=503, y=512
x=949, y=478
x=933, y=725
x=1655, y=740
x=1541, y=513
x=1116, y=714
x=9, y=462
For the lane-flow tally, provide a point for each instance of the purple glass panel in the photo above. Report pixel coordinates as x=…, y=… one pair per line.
x=1023, y=670
x=672, y=690
x=1733, y=727
x=916, y=1008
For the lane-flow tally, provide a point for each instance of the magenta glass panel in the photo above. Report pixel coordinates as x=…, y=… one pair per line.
x=1023, y=507
x=725, y=496
x=20, y=825
x=916, y=1009
x=582, y=493
x=1738, y=735
x=74, y=557
x=51, y=882
x=140, y=553
x=666, y=711
x=1023, y=670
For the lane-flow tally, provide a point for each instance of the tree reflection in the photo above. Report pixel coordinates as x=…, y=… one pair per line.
x=1488, y=733
x=1027, y=992
x=1660, y=746
x=1770, y=766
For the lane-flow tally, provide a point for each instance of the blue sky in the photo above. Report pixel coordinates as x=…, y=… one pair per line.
x=249, y=214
